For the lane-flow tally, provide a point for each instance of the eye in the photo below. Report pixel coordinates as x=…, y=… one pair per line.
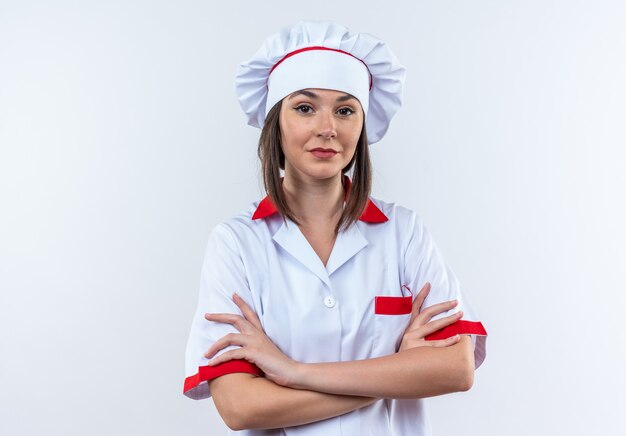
x=303, y=106
x=346, y=109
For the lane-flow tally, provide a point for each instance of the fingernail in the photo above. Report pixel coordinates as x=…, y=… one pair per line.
x=235, y=295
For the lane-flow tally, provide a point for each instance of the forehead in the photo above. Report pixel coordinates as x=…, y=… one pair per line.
x=318, y=93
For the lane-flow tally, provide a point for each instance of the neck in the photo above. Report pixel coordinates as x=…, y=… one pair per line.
x=315, y=201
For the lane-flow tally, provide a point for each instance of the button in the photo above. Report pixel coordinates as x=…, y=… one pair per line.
x=329, y=301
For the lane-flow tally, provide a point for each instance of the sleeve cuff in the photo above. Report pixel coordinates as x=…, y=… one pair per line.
x=460, y=327
x=196, y=386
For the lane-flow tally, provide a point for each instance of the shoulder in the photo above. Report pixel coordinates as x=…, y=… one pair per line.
x=404, y=224
x=400, y=216
x=240, y=229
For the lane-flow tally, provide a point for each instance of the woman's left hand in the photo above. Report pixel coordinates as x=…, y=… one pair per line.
x=256, y=347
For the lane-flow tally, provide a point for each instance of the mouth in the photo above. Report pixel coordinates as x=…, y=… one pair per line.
x=323, y=153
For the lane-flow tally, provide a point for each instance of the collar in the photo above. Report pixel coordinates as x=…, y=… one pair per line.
x=371, y=213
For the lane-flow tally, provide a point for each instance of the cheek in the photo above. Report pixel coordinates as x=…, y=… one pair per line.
x=355, y=134
x=294, y=134
x=290, y=144
x=286, y=134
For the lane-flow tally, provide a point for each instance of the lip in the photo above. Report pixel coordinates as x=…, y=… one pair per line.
x=323, y=153
x=324, y=149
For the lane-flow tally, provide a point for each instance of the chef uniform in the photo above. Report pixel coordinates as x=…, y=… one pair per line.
x=358, y=305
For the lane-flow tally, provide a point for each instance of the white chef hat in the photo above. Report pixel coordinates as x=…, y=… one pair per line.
x=322, y=54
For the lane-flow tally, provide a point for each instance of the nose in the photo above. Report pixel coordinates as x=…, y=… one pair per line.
x=327, y=126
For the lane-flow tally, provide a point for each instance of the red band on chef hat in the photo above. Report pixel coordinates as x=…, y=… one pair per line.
x=320, y=48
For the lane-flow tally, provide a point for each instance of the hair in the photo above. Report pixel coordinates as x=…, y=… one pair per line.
x=273, y=160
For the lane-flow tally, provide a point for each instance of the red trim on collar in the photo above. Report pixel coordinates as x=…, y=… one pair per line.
x=371, y=213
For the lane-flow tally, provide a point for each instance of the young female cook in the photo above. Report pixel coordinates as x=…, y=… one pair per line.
x=323, y=310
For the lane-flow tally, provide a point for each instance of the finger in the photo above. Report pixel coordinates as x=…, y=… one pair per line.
x=247, y=311
x=433, y=326
x=239, y=353
x=419, y=300
x=431, y=311
x=227, y=340
x=421, y=296
x=238, y=321
x=423, y=317
x=445, y=342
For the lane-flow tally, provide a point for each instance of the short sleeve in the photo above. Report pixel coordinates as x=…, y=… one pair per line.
x=223, y=273
x=424, y=262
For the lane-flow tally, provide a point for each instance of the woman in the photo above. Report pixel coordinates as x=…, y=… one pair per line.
x=307, y=321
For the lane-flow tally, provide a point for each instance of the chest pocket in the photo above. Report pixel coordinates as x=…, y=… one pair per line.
x=391, y=317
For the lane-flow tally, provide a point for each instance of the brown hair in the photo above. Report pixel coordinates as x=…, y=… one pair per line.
x=273, y=160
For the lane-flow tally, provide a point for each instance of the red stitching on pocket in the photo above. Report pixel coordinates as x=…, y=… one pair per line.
x=392, y=305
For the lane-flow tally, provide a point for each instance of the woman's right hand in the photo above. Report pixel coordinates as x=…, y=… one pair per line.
x=420, y=325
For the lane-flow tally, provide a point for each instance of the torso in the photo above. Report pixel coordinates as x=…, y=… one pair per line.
x=316, y=296
x=315, y=293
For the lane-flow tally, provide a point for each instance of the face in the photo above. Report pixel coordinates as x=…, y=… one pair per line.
x=313, y=120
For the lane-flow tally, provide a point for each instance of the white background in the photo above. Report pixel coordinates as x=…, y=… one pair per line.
x=122, y=144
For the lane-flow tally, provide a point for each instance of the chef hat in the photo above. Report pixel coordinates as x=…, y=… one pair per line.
x=321, y=54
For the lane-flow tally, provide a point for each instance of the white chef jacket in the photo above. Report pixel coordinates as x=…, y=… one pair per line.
x=356, y=307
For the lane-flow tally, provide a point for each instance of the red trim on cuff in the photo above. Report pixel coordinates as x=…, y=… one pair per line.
x=460, y=327
x=207, y=372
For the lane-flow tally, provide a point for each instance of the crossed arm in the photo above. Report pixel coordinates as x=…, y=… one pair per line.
x=325, y=390
x=245, y=401
x=295, y=393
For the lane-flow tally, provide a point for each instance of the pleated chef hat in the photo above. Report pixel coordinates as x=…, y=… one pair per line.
x=322, y=54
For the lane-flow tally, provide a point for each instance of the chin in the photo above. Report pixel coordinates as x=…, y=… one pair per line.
x=322, y=173
x=318, y=170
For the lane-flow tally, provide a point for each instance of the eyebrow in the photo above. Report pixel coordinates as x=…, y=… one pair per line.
x=314, y=95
